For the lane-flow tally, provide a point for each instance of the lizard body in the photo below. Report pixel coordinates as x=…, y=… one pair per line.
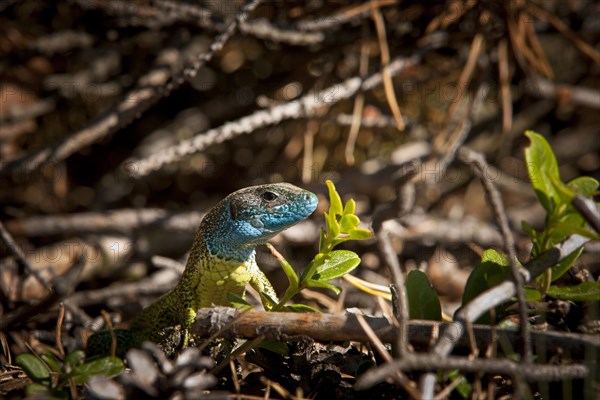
x=221, y=261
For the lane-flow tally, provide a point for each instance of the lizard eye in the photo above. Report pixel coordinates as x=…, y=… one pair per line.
x=269, y=196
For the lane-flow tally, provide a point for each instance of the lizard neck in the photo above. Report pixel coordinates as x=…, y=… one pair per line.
x=219, y=235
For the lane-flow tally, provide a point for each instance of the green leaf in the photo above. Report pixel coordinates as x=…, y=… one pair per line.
x=562, y=267
x=322, y=241
x=289, y=271
x=333, y=226
x=530, y=231
x=335, y=202
x=237, y=301
x=75, y=358
x=311, y=268
x=532, y=294
x=349, y=222
x=275, y=346
x=423, y=301
x=541, y=168
x=494, y=268
x=584, y=185
x=350, y=207
x=107, y=366
x=464, y=388
x=360, y=234
x=563, y=226
x=33, y=367
x=336, y=264
x=297, y=307
x=586, y=291
x=36, y=390
x=51, y=361
x=324, y=285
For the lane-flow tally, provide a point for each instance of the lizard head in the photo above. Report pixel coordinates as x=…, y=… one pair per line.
x=258, y=213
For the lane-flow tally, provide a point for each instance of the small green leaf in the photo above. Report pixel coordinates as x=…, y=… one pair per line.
x=335, y=202
x=324, y=285
x=289, y=271
x=584, y=185
x=563, y=226
x=464, y=388
x=33, y=367
x=423, y=301
x=75, y=358
x=350, y=207
x=36, y=390
x=268, y=301
x=322, y=241
x=494, y=268
x=349, y=222
x=360, y=234
x=275, y=346
x=336, y=264
x=297, y=307
x=530, y=231
x=586, y=291
x=562, y=267
x=333, y=226
x=311, y=268
x=237, y=300
x=107, y=366
x=52, y=362
x=532, y=295
x=541, y=167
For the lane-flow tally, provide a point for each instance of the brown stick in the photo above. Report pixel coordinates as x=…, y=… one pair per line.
x=327, y=327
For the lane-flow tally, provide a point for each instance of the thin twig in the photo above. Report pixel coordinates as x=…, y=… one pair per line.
x=565, y=30
x=305, y=106
x=388, y=84
x=58, y=333
x=506, y=367
x=478, y=161
x=238, y=350
x=263, y=29
x=401, y=301
x=343, y=16
x=564, y=93
x=461, y=86
x=504, y=78
x=536, y=47
x=359, y=102
x=462, y=131
x=398, y=376
x=14, y=248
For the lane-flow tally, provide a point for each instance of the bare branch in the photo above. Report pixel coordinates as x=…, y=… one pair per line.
x=306, y=106
x=153, y=86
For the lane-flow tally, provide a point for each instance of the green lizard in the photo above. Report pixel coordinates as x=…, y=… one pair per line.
x=221, y=261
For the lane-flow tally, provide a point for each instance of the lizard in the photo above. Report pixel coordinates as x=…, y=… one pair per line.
x=222, y=260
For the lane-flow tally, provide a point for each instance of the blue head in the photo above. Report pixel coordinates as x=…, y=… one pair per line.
x=253, y=215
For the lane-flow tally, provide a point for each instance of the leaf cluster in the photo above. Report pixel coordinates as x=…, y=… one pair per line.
x=57, y=378
x=562, y=220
